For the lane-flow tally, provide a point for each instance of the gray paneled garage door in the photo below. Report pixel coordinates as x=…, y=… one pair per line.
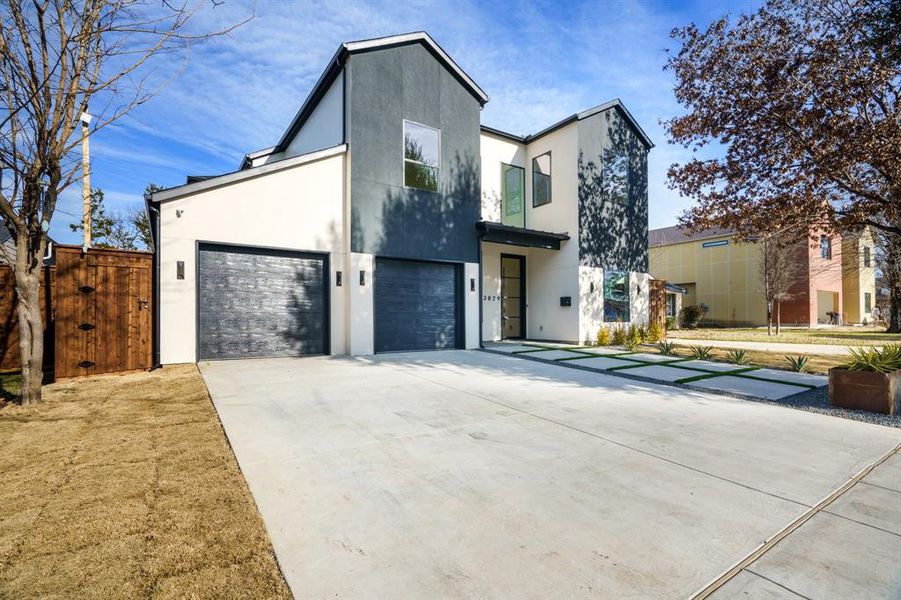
x=416, y=305
x=254, y=302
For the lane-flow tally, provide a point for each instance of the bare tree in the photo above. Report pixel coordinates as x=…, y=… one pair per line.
x=57, y=57
x=780, y=271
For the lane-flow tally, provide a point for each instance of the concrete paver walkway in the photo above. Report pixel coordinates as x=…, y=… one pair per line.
x=746, y=381
x=469, y=474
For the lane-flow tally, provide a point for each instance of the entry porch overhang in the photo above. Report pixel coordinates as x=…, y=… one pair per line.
x=498, y=233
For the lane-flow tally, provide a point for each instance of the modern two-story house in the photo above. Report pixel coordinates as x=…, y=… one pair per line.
x=387, y=218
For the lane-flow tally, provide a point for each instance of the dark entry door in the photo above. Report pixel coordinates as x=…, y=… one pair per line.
x=416, y=305
x=513, y=296
x=254, y=302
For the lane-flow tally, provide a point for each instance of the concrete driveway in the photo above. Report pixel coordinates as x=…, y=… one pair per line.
x=469, y=474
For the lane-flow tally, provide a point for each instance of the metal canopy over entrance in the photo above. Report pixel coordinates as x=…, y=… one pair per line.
x=499, y=233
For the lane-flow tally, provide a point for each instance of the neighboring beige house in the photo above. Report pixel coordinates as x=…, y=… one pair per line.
x=859, y=276
x=724, y=275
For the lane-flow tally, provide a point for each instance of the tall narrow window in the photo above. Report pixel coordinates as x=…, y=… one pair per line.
x=616, y=296
x=513, y=184
x=615, y=176
x=867, y=302
x=541, y=179
x=866, y=256
x=422, y=156
x=825, y=247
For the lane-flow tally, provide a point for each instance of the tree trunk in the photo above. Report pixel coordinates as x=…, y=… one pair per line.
x=778, y=318
x=894, y=312
x=769, y=318
x=31, y=329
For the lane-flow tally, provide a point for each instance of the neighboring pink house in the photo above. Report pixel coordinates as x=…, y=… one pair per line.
x=818, y=295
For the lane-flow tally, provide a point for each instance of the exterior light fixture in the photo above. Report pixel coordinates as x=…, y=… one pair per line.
x=362, y=277
x=337, y=278
x=86, y=118
x=472, y=284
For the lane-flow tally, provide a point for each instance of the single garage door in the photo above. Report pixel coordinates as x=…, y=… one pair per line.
x=254, y=302
x=416, y=305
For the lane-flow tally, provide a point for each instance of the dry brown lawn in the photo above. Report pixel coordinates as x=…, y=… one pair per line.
x=125, y=486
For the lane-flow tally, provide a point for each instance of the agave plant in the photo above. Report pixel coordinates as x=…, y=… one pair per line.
x=700, y=352
x=738, y=356
x=799, y=363
x=666, y=348
x=879, y=360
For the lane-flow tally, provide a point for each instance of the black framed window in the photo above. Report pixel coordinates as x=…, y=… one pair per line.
x=866, y=256
x=615, y=176
x=616, y=296
x=513, y=193
x=422, y=156
x=825, y=247
x=541, y=180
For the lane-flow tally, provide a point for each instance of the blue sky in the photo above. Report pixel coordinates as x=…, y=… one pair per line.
x=537, y=61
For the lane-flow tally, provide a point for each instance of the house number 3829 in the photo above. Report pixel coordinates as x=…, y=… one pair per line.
x=491, y=298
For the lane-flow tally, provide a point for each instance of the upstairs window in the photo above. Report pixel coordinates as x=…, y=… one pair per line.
x=866, y=257
x=616, y=296
x=867, y=302
x=513, y=184
x=422, y=156
x=615, y=176
x=541, y=180
x=825, y=247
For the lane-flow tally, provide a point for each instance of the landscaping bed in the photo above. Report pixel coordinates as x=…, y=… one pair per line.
x=125, y=486
x=838, y=336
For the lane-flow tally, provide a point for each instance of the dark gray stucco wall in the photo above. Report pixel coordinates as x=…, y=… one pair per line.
x=612, y=234
x=387, y=86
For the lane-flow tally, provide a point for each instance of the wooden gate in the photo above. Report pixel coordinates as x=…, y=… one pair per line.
x=103, y=311
x=657, y=301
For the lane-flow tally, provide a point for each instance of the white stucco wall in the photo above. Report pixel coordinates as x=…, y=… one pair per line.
x=361, y=333
x=471, y=304
x=496, y=151
x=296, y=208
x=325, y=127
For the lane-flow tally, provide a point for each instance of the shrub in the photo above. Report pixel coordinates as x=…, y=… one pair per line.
x=738, y=356
x=666, y=348
x=603, y=337
x=619, y=335
x=655, y=332
x=878, y=360
x=633, y=336
x=690, y=316
x=700, y=352
x=672, y=323
x=798, y=363
x=631, y=343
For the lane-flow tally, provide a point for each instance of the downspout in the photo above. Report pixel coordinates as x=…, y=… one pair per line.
x=153, y=215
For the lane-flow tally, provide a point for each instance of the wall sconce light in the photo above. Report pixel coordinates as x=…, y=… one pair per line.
x=180, y=269
x=362, y=277
x=638, y=290
x=338, y=278
x=591, y=288
x=472, y=284
x=179, y=212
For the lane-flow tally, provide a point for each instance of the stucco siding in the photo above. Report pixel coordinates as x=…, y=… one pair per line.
x=388, y=219
x=298, y=208
x=325, y=126
x=496, y=151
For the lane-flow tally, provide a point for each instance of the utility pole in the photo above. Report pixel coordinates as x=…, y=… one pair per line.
x=86, y=180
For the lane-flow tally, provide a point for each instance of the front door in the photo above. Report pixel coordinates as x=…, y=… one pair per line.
x=513, y=296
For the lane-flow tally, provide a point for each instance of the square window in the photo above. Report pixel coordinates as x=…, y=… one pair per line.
x=541, y=180
x=422, y=156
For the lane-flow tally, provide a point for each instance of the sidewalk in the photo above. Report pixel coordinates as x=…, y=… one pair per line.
x=828, y=349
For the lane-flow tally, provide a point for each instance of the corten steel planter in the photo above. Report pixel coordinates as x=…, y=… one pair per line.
x=865, y=390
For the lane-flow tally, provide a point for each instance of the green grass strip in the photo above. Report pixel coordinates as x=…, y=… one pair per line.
x=536, y=349
x=713, y=374
x=583, y=355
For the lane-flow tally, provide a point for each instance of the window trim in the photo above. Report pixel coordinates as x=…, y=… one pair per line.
x=404, y=160
x=504, y=190
x=550, y=195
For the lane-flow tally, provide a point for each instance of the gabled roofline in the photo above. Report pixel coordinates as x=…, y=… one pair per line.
x=251, y=156
x=336, y=65
x=240, y=175
x=615, y=103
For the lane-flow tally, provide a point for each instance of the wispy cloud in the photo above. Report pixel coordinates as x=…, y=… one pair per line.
x=538, y=61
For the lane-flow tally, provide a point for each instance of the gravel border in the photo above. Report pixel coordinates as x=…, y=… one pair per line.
x=815, y=400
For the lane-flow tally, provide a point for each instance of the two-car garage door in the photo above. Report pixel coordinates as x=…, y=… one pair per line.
x=255, y=302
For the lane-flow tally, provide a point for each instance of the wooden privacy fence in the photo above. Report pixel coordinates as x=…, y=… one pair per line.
x=657, y=301
x=100, y=312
